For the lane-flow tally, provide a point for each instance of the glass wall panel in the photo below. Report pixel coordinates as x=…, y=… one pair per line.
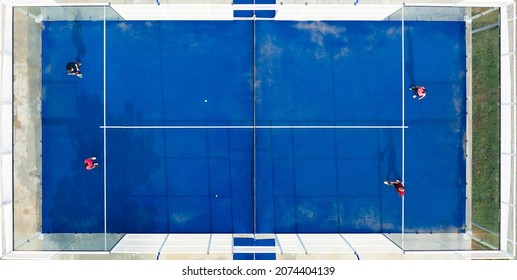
x=57, y=206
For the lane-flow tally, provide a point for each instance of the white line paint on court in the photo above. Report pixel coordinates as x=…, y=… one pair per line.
x=253, y=127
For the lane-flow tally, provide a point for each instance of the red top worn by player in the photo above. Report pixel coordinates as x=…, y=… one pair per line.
x=420, y=92
x=89, y=163
x=398, y=185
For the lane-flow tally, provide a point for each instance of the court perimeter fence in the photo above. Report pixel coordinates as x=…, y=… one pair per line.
x=490, y=140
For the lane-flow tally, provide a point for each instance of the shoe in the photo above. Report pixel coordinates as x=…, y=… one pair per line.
x=386, y=182
x=93, y=158
x=414, y=96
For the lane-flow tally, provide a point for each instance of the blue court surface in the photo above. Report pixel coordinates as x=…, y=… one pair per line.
x=253, y=127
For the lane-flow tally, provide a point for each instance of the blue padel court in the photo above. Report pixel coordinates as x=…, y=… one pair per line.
x=253, y=127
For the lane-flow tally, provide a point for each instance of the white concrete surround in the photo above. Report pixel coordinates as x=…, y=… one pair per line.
x=508, y=148
x=6, y=195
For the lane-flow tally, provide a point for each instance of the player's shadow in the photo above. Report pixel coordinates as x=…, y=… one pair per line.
x=409, y=57
x=389, y=155
x=77, y=39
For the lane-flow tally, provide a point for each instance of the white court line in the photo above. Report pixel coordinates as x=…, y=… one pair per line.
x=403, y=123
x=104, y=132
x=252, y=127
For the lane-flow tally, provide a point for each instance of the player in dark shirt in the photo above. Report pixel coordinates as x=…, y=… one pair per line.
x=72, y=68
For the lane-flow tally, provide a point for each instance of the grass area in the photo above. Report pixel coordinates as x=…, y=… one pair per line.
x=485, y=129
x=484, y=20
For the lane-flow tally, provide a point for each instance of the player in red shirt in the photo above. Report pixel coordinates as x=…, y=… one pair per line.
x=398, y=185
x=89, y=163
x=420, y=92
